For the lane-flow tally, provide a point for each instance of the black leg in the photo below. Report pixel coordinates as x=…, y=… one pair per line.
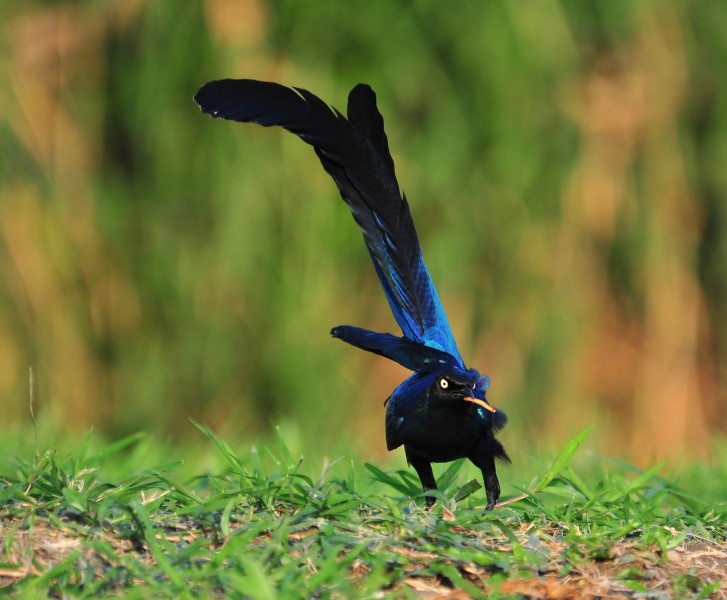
x=424, y=469
x=485, y=460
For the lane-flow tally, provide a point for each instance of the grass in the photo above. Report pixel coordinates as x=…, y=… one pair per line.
x=263, y=528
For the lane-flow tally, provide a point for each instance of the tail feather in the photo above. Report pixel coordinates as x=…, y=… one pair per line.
x=355, y=153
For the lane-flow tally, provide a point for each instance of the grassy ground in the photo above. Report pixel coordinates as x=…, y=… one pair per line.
x=262, y=528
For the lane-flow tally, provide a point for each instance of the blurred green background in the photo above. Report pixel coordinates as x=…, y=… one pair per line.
x=566, y=165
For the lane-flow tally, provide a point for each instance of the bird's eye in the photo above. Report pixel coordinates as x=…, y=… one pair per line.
x=443, y=383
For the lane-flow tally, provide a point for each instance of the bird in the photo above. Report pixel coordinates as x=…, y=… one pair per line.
x=440, y=413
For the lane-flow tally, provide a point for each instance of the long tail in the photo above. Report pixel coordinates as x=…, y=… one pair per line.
x=355, y=154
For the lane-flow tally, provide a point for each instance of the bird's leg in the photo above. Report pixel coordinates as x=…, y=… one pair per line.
x=424, y=469
x=485, y=460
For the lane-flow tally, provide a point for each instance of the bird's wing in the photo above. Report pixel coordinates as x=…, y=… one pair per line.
x=412, y=355
x=355, y=154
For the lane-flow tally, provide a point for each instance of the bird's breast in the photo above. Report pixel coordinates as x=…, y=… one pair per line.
x=439, y=432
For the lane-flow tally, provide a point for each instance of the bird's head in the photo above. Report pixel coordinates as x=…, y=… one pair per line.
x=456, y=385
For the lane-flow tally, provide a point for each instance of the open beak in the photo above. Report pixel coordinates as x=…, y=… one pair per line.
x=481, y=403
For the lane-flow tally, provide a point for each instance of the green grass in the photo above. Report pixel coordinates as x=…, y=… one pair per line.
x=260, y=525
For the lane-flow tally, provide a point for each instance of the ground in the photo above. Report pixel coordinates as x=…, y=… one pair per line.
x=65, y=532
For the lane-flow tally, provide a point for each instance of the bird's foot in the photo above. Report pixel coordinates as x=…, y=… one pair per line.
x=492, y=500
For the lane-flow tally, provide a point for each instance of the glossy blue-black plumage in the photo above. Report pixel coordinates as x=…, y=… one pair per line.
x=440, y=413
x=355, y=153
x=409, y=354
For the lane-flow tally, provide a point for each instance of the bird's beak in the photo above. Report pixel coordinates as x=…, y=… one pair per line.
x=481, y=403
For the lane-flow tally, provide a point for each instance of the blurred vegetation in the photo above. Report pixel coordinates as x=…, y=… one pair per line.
x=565, y=165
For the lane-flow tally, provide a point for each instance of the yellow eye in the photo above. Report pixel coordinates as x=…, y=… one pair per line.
x=443, y=383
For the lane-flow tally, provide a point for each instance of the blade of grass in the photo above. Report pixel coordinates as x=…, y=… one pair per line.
x=636, y=483
x=382, y=477
x=562, y=460
x=141, y=516
x=467, y=489
x=119, y=445
x=446, y=478
x=224, y=449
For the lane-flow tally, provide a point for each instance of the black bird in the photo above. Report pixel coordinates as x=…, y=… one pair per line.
x=440, y=413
